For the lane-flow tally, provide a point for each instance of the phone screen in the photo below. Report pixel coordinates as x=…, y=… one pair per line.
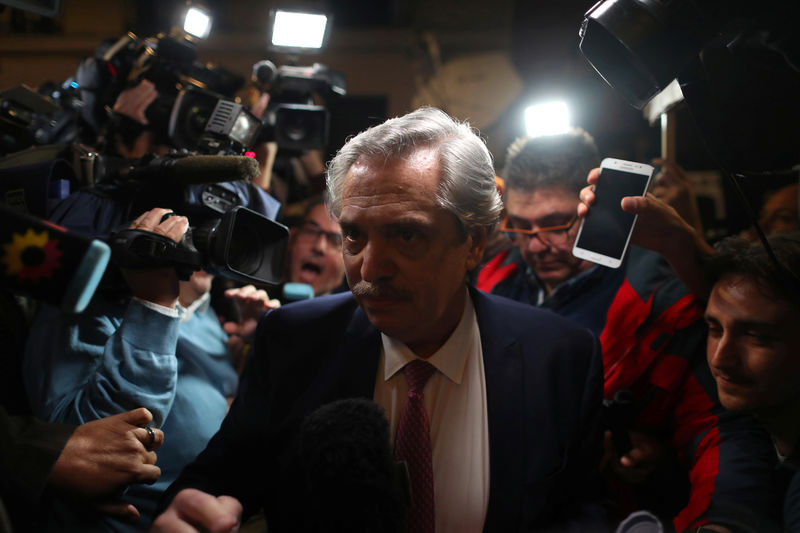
x=606, y=227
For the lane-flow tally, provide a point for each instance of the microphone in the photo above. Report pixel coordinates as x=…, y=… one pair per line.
x=195, y=169
x=49, y=263
x=348, y=474
x=293, y=292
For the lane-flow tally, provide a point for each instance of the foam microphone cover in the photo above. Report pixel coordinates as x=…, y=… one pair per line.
x=351, y=482
x=200, y=169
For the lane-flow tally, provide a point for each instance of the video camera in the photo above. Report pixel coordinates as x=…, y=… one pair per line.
x=196, y=108
x=292, y=119
x=233, y=232
x=30, y=118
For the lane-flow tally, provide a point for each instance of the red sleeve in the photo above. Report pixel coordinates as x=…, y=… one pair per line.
x=495, y=271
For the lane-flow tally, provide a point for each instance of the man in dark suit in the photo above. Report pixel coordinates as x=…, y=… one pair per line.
x=512, y=407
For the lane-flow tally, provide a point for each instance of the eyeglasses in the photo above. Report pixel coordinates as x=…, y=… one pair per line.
x=310, y=231
x=550, y=235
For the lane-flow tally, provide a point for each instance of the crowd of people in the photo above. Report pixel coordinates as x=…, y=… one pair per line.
x=506, y=372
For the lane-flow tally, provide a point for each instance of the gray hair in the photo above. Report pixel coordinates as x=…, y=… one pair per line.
x=467, y=184
x=563, y=160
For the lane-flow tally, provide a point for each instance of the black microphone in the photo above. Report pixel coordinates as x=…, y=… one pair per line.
x=195, y=169
x=348, y=475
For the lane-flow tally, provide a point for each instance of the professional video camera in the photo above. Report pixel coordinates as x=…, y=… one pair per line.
x=292, y=119
x=29, y=118
x=196, y=108
x=232, y=232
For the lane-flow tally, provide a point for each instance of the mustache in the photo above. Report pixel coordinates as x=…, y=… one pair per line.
x=378, y=290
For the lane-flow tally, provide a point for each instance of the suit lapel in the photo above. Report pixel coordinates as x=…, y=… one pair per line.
x=503, y=368
x=359, y=357
x=504, y=371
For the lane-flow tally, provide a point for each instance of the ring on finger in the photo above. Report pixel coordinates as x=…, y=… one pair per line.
x=152, y=435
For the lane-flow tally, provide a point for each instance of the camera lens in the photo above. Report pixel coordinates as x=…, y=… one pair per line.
x=245, y=251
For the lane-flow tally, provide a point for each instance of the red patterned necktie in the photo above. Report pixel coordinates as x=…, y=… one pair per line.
x=413, y=445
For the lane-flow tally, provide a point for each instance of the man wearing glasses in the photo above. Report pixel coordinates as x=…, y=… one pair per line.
x=543, y=177
x=315, y=250
x=682, y=445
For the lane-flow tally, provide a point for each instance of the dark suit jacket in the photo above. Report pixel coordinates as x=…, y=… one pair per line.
x=544, y=393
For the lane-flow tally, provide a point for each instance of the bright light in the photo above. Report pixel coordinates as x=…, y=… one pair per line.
x=547, y=119
x=197, y=23
x=298, y=30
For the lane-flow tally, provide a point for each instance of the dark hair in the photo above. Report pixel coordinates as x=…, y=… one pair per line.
x=740, y=257
x=561, y=160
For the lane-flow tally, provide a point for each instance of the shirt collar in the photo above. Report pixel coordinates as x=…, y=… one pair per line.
x=200, y=305
x=450, y=359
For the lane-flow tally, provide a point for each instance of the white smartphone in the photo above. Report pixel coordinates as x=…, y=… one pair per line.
x=606, y=230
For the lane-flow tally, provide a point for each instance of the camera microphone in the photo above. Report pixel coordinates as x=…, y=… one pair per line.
x=197, y=169
x=264, y=73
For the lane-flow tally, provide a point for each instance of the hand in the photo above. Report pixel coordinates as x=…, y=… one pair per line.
x=660, y=228
x=157, y=285
x=193, y=510
x=674, y=187
x=252, y=304
x=260, y=106
x=104, y=456
x=642, y=460
x=134, y=102
x=265, y=155
x=313, y=162
x=655, y=216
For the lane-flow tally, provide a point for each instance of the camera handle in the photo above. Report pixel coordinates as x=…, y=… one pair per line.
x=134, y=248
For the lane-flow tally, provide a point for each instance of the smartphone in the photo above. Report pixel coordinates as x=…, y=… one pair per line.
x=606, y=229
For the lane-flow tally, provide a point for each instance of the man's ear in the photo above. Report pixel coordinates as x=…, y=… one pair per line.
x=477, y=245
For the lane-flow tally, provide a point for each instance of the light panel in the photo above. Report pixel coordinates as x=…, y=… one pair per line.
x=197, y=23
x=298, y=30
x=549, y=118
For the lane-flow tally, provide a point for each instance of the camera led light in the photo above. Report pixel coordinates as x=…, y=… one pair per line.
x=299, y=30
x=549, y=118
x=197, y=23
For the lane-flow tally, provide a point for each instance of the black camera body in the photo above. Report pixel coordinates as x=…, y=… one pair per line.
x=208, y=123
x=233, y=232
x=29, y=118
x=292, y=119
x=241, y=245
x=188, y=90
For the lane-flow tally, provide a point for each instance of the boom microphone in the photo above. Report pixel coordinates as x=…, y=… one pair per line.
x=195, y=169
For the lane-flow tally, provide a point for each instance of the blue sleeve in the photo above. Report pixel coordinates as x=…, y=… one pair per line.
x=84, y=367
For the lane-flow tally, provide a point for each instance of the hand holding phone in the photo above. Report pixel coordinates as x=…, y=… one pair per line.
x=606, y=230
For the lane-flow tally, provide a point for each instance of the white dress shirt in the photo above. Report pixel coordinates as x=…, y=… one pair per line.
x=455, y=401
